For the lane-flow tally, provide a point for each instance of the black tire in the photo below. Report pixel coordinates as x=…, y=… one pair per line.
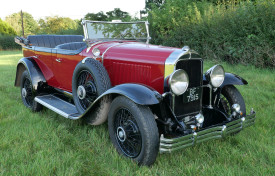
x=230, y=95
x=94, y=79
x=125, y=119
x=28, y=93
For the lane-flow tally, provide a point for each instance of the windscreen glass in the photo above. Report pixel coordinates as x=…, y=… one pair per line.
x=123, y=31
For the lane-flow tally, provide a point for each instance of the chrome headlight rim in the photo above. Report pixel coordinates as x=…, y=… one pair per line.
x=211, y=75
x=96, y=52
x=173, y=80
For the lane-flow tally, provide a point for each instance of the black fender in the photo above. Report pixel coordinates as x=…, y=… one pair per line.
x=232, y=79
x=229, y=79
x=138, y=93
x=37, y=77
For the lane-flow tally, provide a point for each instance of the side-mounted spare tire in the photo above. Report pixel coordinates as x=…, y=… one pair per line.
x=90, y=80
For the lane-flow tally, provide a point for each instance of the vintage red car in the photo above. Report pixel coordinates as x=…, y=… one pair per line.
x=155, y=98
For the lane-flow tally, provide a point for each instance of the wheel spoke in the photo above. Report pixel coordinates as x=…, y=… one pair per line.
x=130, y=140
x=85, y=79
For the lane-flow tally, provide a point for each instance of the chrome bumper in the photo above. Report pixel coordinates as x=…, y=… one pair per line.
x=170, y=145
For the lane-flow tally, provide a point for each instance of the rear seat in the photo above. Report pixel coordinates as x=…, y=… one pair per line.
x=51, y=41
x=71, y=46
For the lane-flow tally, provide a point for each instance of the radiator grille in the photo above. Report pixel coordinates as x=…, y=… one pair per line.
x=193, y=68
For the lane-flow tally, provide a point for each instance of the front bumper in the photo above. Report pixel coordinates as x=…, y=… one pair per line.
x=220, y=131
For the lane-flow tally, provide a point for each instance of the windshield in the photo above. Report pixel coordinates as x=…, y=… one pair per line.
x=95, y=30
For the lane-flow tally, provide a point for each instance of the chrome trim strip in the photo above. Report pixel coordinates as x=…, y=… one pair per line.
x=110, y=22
x=68, y=94
x=174, y=57
x=117, y=44
x=170, y=145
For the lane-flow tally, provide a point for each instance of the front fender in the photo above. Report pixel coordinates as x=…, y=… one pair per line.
x=229, y=79
x=139, y=94
x=28, y=63
x=232, y=79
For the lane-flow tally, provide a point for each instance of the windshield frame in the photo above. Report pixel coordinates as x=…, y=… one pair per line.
x=86, y=35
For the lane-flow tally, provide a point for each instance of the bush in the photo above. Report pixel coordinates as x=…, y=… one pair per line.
x=6, y=29
x=237, y=32
x=7, y=43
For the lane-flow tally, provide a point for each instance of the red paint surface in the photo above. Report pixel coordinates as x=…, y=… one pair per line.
x=63, y=71
x=126, y=62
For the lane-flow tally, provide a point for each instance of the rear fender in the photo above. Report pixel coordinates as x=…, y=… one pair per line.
x=37, y=77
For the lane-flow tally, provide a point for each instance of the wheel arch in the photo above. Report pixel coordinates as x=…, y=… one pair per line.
x=36, y=75
x=138, y=93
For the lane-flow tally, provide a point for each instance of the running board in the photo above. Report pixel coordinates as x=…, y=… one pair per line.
x=59, y=106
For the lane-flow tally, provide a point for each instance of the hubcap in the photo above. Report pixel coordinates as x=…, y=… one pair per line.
x=81, y=92
x=24, y=92
x=121, y=135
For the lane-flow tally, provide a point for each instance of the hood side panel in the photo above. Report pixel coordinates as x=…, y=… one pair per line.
x=137, y=63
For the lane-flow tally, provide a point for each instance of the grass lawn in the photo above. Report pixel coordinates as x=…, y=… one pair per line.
x=47, y=144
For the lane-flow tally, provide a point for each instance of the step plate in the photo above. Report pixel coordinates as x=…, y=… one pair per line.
x=58, y=105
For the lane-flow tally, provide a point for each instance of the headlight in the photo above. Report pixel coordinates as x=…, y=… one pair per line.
x=178, y=82
x=215, y=75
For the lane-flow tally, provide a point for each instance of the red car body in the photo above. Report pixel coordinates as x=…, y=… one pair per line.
x=126, y=62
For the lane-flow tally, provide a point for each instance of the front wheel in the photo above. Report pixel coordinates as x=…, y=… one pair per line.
x=229, y=96
x=133, y=131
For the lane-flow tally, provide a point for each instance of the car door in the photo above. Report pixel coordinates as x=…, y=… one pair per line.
x=64, y=63
x=44, y=58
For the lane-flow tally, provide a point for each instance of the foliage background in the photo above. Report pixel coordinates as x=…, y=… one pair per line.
x=234, y=31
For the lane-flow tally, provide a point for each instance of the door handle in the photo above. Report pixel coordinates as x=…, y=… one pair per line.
x=58, y=60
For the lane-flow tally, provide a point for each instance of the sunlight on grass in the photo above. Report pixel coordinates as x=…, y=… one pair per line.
x=7, y=57
x=47, y=144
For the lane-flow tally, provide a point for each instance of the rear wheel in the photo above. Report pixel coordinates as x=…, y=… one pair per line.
x=28, y=93
x=133, y=131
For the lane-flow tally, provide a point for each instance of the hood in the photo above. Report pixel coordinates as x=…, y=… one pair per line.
x=133, y=62
x=138, y=52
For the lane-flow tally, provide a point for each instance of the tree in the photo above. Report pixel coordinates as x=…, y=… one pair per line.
x=100, y=16
x=30, y=25
x=149, y=4
x=115, y=14
x=56, y=25
x=6, y=29
x=118, y=14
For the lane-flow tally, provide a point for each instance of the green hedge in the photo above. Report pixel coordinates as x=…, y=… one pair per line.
x=7, y=43
x=237, y=32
